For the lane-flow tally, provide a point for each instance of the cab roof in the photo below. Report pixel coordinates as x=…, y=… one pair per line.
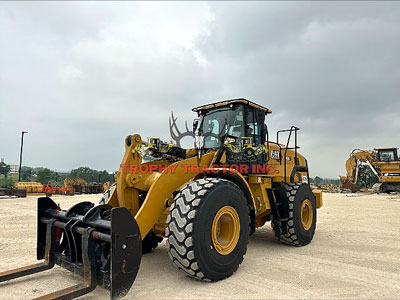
x=229, y=102
x=385, y=148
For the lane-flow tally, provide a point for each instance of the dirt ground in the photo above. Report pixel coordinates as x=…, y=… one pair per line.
x=355, y=254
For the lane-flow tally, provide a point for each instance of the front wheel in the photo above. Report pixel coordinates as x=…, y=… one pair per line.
x=300, y=226
x=208, y=229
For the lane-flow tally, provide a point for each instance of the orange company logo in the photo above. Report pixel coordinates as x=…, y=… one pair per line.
x=195, y=169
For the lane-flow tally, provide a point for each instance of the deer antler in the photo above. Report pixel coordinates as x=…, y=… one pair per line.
x=177, y=136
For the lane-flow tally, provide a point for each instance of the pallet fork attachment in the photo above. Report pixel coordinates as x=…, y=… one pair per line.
x=100, y=243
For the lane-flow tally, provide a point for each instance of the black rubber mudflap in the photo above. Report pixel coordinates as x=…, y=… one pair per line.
x=126, y=252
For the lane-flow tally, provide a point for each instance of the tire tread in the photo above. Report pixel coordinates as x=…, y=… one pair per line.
x=184, y=212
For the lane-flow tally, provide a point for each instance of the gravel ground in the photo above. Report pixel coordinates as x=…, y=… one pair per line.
x=355, y=254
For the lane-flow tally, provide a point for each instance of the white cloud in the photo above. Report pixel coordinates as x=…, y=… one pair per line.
x=79, y=76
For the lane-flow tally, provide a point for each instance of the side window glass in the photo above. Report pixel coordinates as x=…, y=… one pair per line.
x=214, y=128
x=236, y=129
x=253, y=129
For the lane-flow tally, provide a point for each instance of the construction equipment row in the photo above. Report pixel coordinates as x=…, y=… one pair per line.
x=48, y=190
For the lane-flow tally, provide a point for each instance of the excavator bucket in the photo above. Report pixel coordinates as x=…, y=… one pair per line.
x=347, y=184
x=100, y=243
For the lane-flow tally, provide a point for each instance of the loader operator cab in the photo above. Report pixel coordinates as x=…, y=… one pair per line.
x=232, y=120
x=237, y=128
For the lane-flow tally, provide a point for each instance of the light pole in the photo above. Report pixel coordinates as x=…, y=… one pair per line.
x=20, y=155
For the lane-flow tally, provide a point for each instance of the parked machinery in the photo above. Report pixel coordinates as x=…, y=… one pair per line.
x=30, y=187
x=384, y=163
x=50, y=190
x=13, y=192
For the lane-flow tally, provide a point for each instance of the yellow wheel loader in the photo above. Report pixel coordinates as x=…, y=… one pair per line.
x=204, y=201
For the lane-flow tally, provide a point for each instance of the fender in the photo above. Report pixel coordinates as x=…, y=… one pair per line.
x=239, y=180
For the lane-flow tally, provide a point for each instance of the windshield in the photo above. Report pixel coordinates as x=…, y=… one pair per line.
x=217, y=123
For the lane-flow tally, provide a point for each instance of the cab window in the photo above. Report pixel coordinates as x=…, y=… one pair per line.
x=253, y=128
x=386, y=155
x=217, y=123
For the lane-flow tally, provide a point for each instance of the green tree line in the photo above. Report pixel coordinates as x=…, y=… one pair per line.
x=366, y=179
x=47, y=176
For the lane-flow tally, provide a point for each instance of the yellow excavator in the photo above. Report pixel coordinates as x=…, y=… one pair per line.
x=204, y=201
x=383, y=162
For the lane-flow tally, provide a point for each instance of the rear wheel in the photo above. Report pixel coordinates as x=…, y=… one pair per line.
x=299, y=228
x=208, y=229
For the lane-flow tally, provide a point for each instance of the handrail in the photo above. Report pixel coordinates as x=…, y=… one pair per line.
x=292, y=128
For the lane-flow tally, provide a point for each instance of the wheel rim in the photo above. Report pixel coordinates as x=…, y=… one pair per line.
x=306, y=214
x=225, y=230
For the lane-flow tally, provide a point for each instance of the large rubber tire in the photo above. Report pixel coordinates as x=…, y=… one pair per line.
x=297, y=235
x=190, y=224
